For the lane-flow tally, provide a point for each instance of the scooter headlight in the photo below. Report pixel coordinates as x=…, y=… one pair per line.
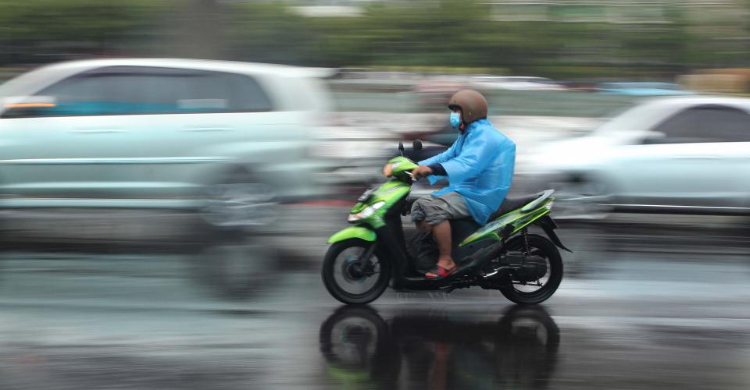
x=366, y=213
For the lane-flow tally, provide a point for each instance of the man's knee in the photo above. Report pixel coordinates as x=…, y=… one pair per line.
x=418, y=211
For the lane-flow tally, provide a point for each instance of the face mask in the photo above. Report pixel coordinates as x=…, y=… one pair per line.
x=455, y=120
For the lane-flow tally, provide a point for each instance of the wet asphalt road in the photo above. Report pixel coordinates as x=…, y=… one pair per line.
x=156, y=303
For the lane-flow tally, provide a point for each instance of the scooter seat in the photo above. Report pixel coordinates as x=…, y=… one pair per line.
x=510, y=204
x=462, y=228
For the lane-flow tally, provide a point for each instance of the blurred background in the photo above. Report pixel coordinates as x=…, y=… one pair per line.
x=170, y=171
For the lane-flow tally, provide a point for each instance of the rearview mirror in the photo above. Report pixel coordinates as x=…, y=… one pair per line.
x=417, y=145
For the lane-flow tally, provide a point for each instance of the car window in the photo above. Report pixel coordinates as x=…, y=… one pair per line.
x=142, y=90
x=706, y=124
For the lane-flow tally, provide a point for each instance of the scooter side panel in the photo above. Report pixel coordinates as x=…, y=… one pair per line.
x=529, y=219
x=515, y=218
x=359, y=232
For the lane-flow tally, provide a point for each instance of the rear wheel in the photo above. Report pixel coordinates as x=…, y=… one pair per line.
x=538, y=291
x=349, y=282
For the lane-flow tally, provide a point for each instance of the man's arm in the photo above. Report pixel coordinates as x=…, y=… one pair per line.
x=442, y=157
x=433, y=170
x=437, y=169
x=474, y=157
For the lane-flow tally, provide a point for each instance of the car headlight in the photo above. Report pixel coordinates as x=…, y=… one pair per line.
x=366, y=213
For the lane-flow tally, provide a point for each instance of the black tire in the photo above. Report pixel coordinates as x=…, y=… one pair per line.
x=337, y=291
x=527, y=347
x=549, y=251
x=367, y=337
x=356, y=340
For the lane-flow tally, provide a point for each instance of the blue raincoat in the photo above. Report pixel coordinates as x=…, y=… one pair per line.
x=480, y=168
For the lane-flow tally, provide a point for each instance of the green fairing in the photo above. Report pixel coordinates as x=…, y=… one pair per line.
x=359, y=232
x=390, y=193
x=515, y=218
x=401, y=165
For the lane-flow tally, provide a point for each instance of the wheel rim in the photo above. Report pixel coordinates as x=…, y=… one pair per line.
x=538, y=285
x=241, y=204
x=352, y=279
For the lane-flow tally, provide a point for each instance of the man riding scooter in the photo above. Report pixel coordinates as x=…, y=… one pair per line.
x=479, y=168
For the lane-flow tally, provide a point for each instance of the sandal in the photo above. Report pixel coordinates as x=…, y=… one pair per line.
x=440, y=271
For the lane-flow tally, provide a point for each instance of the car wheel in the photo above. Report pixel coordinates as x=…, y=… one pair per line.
x=240, y=200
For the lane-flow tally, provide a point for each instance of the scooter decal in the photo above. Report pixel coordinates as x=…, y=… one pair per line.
x=515, y=218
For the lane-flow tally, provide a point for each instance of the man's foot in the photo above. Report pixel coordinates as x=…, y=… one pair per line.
x=439, y=272
x=444, y=264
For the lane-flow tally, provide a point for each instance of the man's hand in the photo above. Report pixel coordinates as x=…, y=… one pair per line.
x=421, y=172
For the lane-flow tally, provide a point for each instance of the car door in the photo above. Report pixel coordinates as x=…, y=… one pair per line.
x=217, y=114
x=695, y=159
x=59, y=150
x=89, y=143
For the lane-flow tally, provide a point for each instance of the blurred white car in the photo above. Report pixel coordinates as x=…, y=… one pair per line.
x=679, y=154
x=516, y=83
x=231, y=139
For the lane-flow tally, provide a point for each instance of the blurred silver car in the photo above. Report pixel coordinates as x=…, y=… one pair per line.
x=680, y=154
x=231, y=139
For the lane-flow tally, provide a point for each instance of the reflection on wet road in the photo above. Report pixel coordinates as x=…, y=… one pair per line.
x=239, y=314
x=440, y=350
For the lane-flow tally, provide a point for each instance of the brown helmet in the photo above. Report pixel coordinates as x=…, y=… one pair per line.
x=472, y=104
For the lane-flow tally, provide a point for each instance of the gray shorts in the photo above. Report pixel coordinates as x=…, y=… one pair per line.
x=434, y=210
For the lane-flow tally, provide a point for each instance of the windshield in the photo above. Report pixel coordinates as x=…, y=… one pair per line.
x=31, y=82
x=632, y=118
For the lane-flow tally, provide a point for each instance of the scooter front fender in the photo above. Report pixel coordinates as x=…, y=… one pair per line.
x=359, y=232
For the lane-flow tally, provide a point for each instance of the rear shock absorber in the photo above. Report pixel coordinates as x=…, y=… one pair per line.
x=525, y=233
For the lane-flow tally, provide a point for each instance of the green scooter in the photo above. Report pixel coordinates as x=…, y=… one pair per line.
x=364, y=259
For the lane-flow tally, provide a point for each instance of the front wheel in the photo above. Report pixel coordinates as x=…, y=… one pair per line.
x=348, y=281
x=538, y=291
